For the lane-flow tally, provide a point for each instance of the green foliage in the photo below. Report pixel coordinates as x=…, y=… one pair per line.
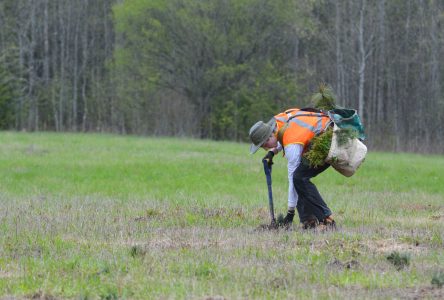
x=7, y=97
x=319, y=148
x=399, y=260
x=324, y=99
x=438, y=279
x=205, y=269
x=137, y=251
x=223, y=56
x=110, y=293
x=236, y=111
x=344, y=135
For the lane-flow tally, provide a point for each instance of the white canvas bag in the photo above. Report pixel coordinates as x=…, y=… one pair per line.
x=346, y=158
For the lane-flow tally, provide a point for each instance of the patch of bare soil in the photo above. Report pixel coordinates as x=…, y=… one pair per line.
x=416, y=206
x=214, y=298
x=350, y=264
x=262, y=213
x=264, y=227
x=198, y=238
x=6, y=274
x=426, y=292
x=437, y=217
x=391, y=245
x=41, y=296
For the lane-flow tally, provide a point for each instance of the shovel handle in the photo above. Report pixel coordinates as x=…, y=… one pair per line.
x=267, y=171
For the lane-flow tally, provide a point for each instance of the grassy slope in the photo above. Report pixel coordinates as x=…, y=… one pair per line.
x=109, y=216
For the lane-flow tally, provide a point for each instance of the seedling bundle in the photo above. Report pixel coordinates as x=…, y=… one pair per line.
x=338, y=145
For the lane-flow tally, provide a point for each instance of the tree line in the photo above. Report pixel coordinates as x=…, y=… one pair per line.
x=210, y=69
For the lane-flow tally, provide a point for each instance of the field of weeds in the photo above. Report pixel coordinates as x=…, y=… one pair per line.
x=111, y=217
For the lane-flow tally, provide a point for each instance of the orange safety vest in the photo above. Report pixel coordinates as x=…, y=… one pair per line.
x=295, y=126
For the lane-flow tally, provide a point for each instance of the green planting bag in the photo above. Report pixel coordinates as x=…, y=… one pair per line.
x=346, y=118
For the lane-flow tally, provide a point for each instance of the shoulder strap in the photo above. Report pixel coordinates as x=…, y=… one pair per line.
x=280, y=134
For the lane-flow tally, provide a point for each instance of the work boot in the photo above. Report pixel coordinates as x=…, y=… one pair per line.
x=329, y=222
x=311, y=223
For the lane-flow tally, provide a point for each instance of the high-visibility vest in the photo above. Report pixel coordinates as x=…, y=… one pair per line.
x=295, y=126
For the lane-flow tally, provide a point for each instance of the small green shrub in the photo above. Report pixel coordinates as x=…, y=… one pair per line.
x=137, y=251
x=438, y=279
x=110, y=294
x=399, y=260
x=205, y=269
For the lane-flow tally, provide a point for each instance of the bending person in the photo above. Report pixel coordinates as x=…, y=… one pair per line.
x=291, y=132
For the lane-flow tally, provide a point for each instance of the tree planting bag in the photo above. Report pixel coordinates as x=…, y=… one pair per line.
x=345, y=157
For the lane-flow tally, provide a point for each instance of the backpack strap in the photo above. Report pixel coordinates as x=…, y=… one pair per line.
x=280, y=134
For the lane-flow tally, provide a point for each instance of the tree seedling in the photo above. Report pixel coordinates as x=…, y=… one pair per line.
x=399, y=260
x=438, y=279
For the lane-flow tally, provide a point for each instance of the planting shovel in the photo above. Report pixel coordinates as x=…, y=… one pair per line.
x=267, y=170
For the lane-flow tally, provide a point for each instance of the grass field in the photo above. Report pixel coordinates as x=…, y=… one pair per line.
x=110, y=217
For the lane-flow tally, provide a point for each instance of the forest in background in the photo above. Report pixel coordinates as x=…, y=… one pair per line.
x=210, y=69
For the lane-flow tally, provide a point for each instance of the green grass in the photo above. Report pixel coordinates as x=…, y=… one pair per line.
x=107, y=217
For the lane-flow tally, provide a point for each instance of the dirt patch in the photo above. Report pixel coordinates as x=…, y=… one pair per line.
x=262, y=213
x=35, y=150
x=422, y=292
x=416, y=206
x=204, y=238
x=351, y=264
x=266, y=227
x=391, y=245
x=437, y=217
x=41, y=296
x=6, y=274
x=214, y=212
x=425, y=292
x=150, y=214
x=214, y=298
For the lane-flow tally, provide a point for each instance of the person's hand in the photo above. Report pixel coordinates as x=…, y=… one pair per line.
x=269, y=158
x=288, y=218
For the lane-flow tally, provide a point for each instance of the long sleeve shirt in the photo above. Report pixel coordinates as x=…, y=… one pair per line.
x=293, y=154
